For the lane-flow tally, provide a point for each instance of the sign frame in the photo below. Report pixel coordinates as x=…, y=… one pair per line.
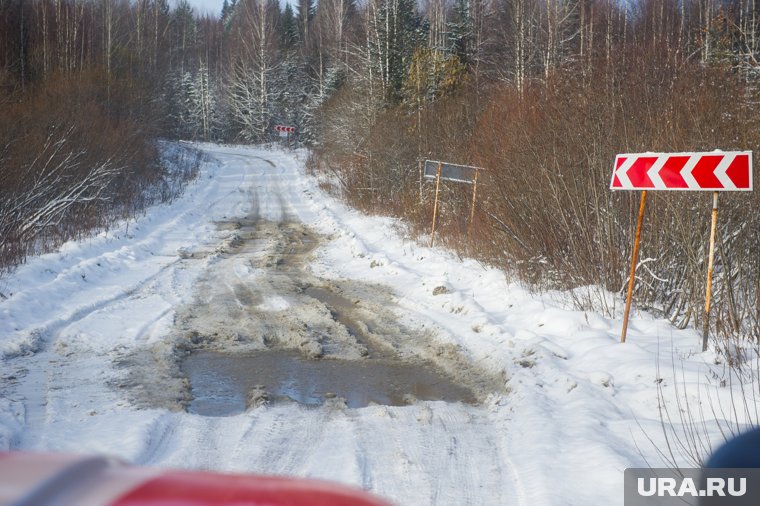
x=439, y=176
x=448, y=171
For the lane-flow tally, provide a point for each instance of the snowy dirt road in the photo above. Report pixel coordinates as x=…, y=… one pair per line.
x=255, y=258
x=230, y=272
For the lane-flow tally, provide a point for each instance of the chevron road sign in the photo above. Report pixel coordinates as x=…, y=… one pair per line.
x=284, y=131
x=715, y=171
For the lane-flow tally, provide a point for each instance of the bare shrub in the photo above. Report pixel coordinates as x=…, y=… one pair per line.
x=545, y=210
x=560, y=225
x=698, y=414
x=70, y=163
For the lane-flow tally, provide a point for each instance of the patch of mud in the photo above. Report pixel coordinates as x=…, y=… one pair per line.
x=252, y=296
x=257, y=295
x=152, y=378
x=225, y=384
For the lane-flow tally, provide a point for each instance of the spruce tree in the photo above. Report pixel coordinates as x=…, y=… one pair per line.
x=288, y=28
x=461, y=32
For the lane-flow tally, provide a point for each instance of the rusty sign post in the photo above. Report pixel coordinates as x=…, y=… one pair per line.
x=442, y=171
x=715, y=171
x=474, y=196
x=435, y=205
x=710, y=262
x=634, y=258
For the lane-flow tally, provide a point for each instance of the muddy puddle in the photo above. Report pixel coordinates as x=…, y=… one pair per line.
x=260, y=317
x=223, y=384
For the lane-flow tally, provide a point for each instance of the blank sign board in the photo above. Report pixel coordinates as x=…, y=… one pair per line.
x=451, y=172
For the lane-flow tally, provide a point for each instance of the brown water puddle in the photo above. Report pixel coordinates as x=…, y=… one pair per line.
x=221, y=384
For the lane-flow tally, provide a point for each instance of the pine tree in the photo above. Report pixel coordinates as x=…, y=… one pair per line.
x=305, y=15
x=461, y=32
x=432, y=74
x=293, y=89
x=184, y=34
x=228, y=14
x=179, y=99
x=289, y=34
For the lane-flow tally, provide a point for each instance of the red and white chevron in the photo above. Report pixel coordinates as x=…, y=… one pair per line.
x=714, y=171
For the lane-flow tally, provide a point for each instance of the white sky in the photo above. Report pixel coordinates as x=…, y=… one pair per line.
x=215, y=6
x=207, y=6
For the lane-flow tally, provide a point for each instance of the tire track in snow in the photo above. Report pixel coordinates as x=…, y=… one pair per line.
x=286, y=439
x=161, y=439
x=432, y=453
x=268, y=440
x=180, y=440
x=51, y=330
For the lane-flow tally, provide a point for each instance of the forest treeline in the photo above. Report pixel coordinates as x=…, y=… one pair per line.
x=541, y=93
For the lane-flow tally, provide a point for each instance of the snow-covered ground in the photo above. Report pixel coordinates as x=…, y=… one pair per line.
x=575, y=407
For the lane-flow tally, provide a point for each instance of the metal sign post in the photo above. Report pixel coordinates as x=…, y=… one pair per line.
x=715, y=171
x=435, y=206
x=711, y=258
x=472, y=208
x=634, y=258
x=442, y=171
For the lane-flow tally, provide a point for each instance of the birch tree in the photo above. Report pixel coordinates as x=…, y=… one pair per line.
x=395, y=30
x=252, y=67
